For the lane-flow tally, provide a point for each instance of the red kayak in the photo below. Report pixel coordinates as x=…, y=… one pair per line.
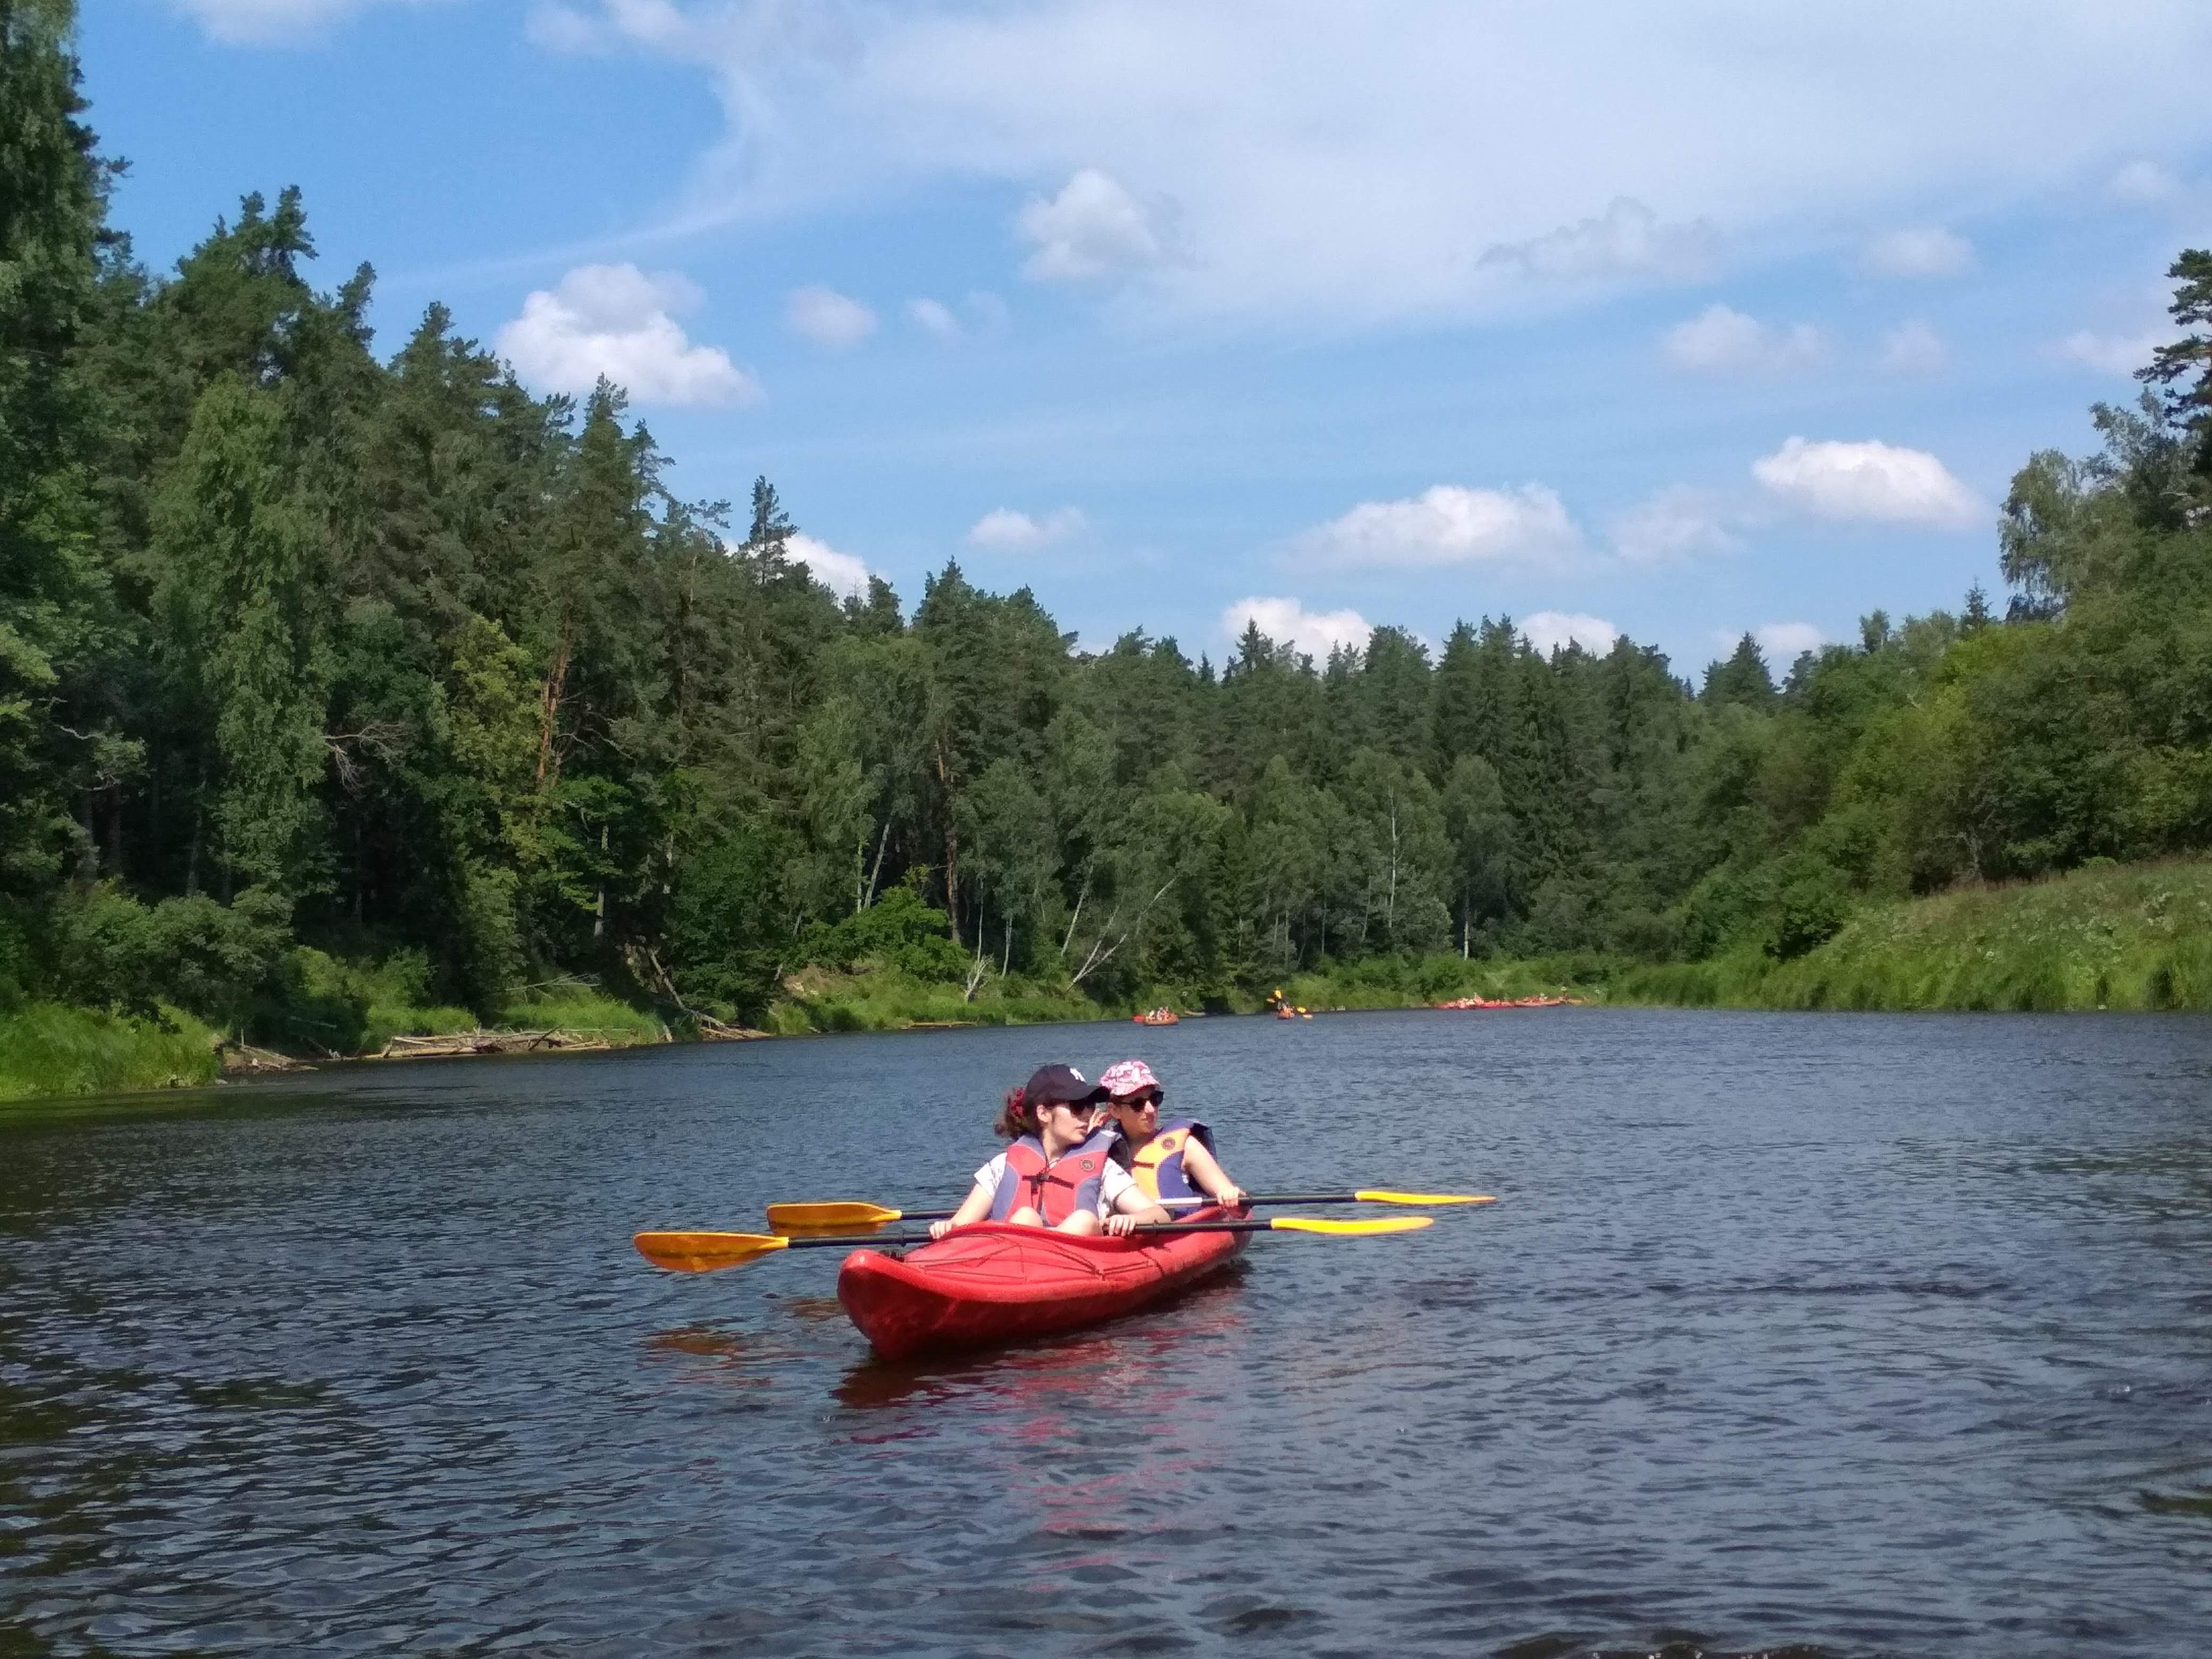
x=993, y=1282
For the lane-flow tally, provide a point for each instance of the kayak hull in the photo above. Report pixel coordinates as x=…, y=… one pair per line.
x=996, y=1283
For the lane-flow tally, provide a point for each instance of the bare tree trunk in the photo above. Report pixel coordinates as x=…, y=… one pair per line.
x=1007, y=957
x=876, y=868
x=548, y=707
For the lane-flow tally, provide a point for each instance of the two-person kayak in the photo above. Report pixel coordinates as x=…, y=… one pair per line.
x=993, y=1282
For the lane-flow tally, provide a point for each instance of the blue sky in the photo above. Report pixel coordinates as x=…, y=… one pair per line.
x=1674, y=320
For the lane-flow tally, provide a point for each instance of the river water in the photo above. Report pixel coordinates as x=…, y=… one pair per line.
x=1845, y=1334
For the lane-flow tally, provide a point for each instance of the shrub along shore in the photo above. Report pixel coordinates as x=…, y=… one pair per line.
x=2135, y=937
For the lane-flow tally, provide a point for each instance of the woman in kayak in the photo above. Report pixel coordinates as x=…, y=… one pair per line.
x=1057, y=1170
x=1168, y=1161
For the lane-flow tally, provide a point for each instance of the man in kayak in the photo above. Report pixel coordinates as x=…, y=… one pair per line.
x=1167, y=1161
x=1057, y=1171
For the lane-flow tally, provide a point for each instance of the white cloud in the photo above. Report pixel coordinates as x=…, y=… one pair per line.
x=1873, y=481
x=1286, y=621
x=2144, y=183
x=2111, y=353
x=1003, y=530
x=1450, y=525
x=1549, y=631
x=828, y=318
x=1628, y=240
x=934, y=317
x=1351, y=164
x=1919, y=251
x=1675, y=524
x=1720, y=341
x=1913, y=347
x=1093, y=227
x=615, y=321
x=265, y=22
x=842, y=574
x=1784, y=641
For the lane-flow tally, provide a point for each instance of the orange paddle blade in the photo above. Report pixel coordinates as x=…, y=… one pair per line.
x=702, y=1252
x=841, y=1212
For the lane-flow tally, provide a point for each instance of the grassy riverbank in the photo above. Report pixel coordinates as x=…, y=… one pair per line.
x=2112, y=937
x=49, y=1049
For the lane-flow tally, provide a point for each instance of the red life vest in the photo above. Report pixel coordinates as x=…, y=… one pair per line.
x=1156, y=1166
x=1056, y=1190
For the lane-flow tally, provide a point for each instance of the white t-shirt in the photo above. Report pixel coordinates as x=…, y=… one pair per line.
x=1112, y=1184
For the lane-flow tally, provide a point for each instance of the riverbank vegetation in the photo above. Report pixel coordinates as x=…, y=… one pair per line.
x=347, y=693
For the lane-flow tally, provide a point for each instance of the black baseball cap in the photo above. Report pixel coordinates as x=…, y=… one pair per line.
x=1053, y=1085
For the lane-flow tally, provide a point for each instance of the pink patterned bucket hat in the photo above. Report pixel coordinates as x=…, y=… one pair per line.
x=1128, y=1077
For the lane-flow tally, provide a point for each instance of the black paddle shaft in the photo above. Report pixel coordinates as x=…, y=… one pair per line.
x=858, y=1239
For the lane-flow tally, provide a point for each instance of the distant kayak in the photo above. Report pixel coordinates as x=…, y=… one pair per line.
x=993, y=1282
x=1519, y=1002
x=1157, y=1017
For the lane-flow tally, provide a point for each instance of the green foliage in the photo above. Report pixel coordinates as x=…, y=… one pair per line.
x=46, y=1049
x=342, y=697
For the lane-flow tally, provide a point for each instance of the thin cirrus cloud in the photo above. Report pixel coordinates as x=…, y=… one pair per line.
x=1375, y=215
x=2118, y=354
x=1918, y=252
x=1913, y=347
x=618, y=322
x=1004, y=530
x=1722, y=341
x=1627, y=239
x=986, y=314
x=828, y=318
x=1287, y=621
x=1553, y=630
x=2143, y=183
x=1450, y=525
x=1868, y=481
x=270, y=23
x=1673, y=526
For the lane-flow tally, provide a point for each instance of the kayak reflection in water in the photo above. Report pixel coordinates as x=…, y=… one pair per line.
x=1057, y=1172
x=1168, y=1161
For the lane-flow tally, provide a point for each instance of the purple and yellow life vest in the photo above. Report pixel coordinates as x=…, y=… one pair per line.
x=1055, y=1189
x=1156, y=1166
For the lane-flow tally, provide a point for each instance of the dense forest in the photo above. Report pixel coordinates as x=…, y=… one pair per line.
x=314, y=660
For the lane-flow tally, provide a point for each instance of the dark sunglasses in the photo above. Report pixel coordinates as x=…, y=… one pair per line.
x=1138, y=1103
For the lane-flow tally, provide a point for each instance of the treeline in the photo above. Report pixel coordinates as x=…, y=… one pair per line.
x=303, y=646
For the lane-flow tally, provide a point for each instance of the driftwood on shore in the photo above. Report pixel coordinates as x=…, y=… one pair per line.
x=239, y=1058
x=489, y=1043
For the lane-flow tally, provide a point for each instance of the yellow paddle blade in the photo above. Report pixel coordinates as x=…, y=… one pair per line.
x=702, y=1252
x=1425, y=1198
x=842, y=1212
x=1395, y=1223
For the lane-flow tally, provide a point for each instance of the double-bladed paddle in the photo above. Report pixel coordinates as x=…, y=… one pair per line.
x=854, y=1213
x=703, y=1252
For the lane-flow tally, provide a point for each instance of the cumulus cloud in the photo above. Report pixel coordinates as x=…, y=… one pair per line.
x=1003, y=530
x=1549, y=630
x=934, y=317
x=1721, y=341
x=1285, y=621
x=1628, y=240
x=1672, y=525
x=1913, y=347
x=1450, y=525
x=1094, y=227
x=986, y=314
x=1784, y=642
x=1869, y=482
x=2144, y=183
x=842, y=574
x=615, y=321
x=2111, y=354
x=828, y=318
x=1352, y=163
x=1918, y=250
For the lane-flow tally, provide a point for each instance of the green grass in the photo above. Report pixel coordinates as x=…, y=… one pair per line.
x=2135, y=937
x=577, y=1009
x=887, y=1000
x=49, y=1049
